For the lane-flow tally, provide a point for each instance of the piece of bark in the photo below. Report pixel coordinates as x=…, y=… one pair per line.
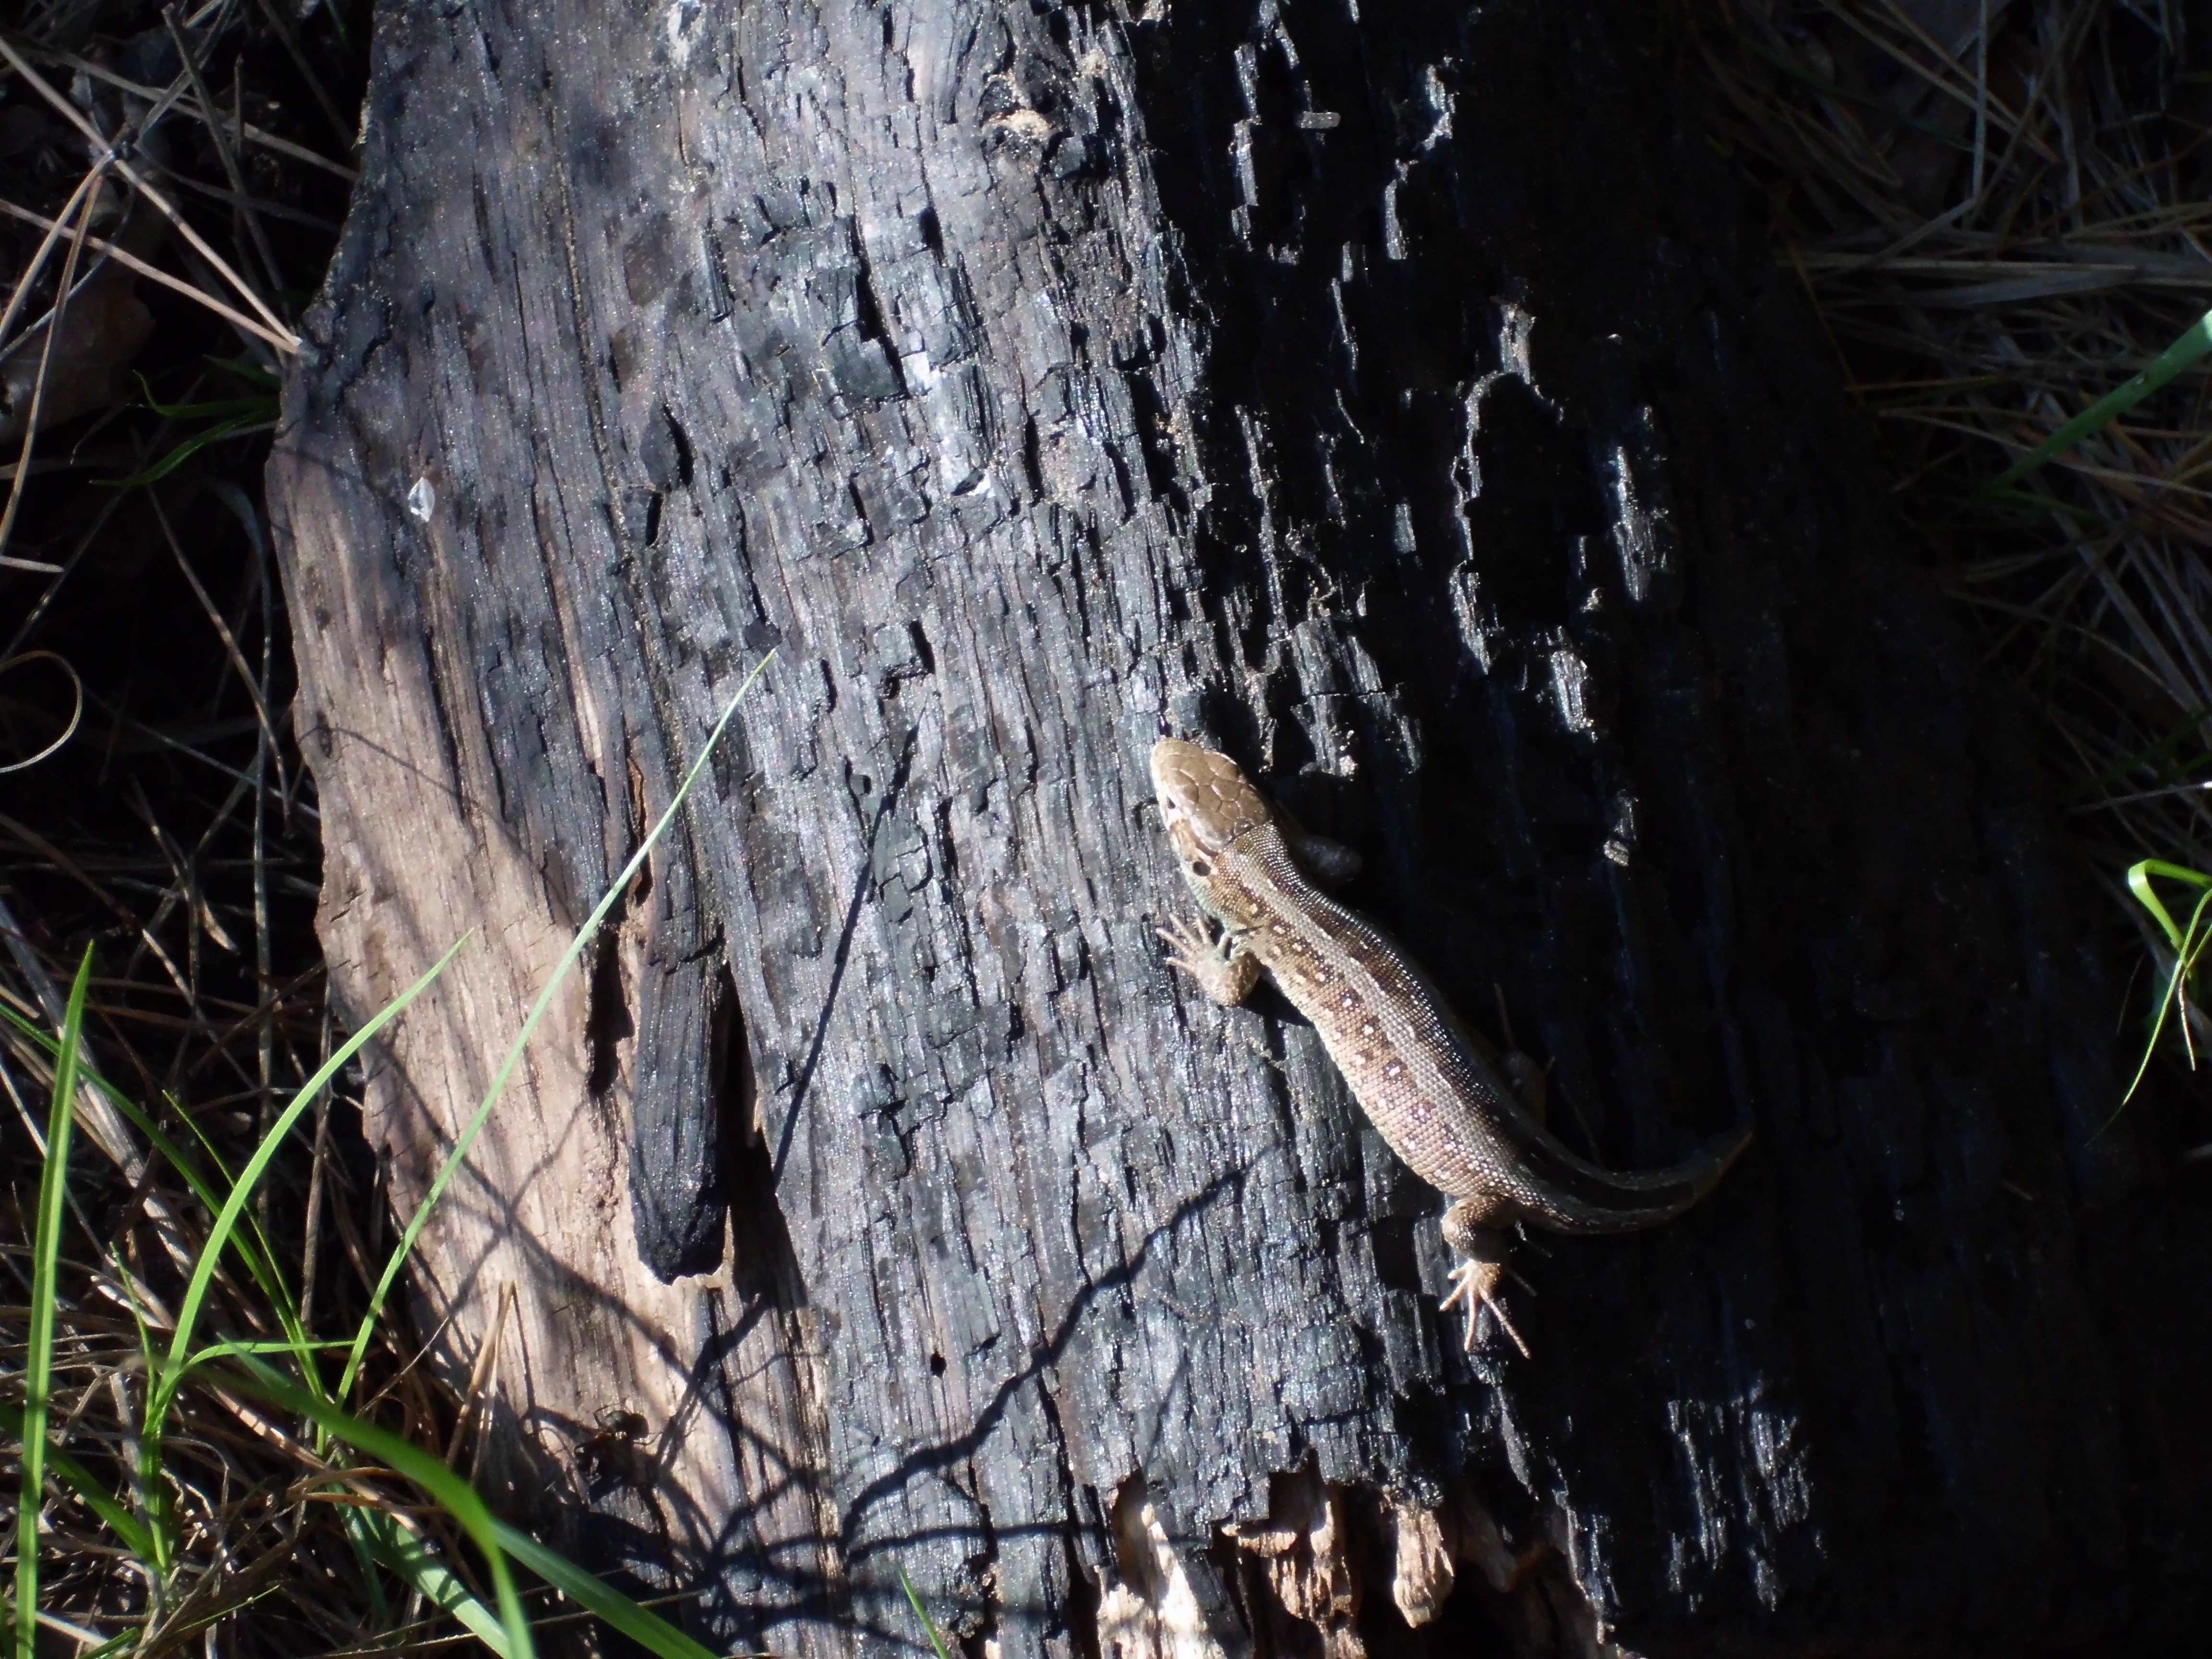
x=1390, y=398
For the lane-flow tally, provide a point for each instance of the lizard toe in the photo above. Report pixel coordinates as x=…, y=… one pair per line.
x=1476, y=1283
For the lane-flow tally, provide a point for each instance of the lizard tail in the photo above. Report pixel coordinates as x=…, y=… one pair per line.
x=1704, y=1167
x=1600, y=1200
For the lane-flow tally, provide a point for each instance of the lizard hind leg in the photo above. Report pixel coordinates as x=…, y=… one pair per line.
x=1471, y=1227
x=1477, y=1284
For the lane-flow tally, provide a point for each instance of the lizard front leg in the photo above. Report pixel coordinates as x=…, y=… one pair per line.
x=1472, y=1227
x=1223, y=971
x=1521, y=1070
x=1330, y=863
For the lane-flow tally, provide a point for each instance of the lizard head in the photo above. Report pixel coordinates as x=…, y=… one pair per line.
x=1205, y=801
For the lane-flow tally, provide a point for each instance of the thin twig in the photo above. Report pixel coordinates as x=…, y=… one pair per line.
x=90, y=203
x=223, y=153
x=29, y=280
x=285, y=342
x=105, y=148
x=258, y=137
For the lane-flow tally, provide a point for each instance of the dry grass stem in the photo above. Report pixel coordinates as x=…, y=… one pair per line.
x=1998, y=229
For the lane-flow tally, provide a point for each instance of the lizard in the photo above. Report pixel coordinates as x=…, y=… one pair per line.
x=1465, y=1119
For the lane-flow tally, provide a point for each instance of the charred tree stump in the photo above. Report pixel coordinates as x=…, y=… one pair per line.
x=1390, y=396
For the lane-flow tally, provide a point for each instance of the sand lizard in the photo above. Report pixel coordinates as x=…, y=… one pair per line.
x=1465, y=1120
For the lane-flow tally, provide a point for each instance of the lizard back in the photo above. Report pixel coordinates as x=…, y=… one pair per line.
x=1426, y=1084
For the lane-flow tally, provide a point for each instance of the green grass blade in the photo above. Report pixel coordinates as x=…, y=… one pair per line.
x=258, y=1262
x=929, y=1625
x=231, y=1349
x=241, y=1191
x=38, y=1356
x=241, y=1194
x=259, y=406
x=149, y=1500
x=271, y=1282
x=2196, y=342
x=467, y=1138
x=185, y=451
x=2139, y=875
x=151, y=1494
x=260, y=1256
x=79, y=1479
x=454, y=1494
x=416, y=1563
x=610, y=1606
x=2188, y=944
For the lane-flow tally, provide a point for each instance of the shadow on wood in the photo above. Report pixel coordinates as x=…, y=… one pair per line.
x=1395, y=403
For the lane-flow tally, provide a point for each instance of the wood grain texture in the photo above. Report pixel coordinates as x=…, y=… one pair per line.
x=1392, y=402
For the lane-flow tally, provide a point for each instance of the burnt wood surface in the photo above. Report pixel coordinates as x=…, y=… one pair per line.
x=1398, y=398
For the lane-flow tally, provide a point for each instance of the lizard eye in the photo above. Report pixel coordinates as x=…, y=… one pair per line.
x=1200, y=868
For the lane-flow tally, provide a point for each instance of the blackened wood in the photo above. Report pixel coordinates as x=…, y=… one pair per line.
x=1393, y=398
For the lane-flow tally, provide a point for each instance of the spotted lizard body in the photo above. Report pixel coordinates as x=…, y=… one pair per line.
x=1438, y=1095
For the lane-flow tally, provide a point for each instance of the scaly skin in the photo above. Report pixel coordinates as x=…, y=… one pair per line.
x=1437, y=1095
